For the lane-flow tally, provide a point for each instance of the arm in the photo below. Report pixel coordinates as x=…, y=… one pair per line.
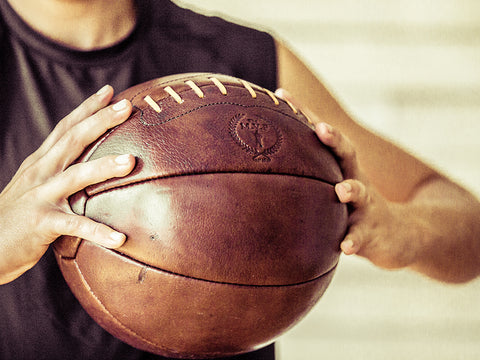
x=405, y=213
x=34, y=207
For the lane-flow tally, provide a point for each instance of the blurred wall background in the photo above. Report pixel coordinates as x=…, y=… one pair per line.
x=409, y=70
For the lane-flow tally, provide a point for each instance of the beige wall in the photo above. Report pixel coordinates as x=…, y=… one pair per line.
x=410, y=70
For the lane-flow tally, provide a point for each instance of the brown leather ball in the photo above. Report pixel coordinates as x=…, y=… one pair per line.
x=233, y=226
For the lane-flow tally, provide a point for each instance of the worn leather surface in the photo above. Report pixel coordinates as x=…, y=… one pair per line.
x=233, y=225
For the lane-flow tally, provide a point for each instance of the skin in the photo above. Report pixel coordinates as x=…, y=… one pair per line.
x=45, y=180
x=404, y=214
x=80, y=24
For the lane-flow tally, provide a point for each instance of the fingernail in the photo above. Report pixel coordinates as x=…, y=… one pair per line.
x=280, y=93
x=343, y=191
x=103, y=90
x=117, y=239
x=326, y=128
x=347, y=187
x=348, y=247
x=122, y=159
x=121, y=105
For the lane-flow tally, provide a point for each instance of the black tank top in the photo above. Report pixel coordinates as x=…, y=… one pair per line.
x=41, y=82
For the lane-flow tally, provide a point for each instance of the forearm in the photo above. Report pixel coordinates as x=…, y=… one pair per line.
x=433, y=230
x=393, y=171
x=404, y=213
x=446, y=225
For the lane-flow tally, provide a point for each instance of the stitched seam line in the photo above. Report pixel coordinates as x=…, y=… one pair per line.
x=214, y=104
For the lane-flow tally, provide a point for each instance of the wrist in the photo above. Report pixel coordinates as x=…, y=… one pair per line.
x=446, y=218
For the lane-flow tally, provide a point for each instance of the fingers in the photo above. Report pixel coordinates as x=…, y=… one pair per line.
x=353, y=192
x=328, y=135
x=341, y=147
x=89, y=107
x=79, y=176
x=61, y=223
x=285, y=95
x=45, y=180
x=372, y=226
x=75, y=140
x=351, y=245
x=82, y=126
x=58, y=219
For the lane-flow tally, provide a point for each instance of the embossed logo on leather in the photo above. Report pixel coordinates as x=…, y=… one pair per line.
x=256, y=135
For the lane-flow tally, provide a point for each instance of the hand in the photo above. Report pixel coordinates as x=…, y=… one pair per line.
x=34, y=208
x=403, y=212
x=379, y=230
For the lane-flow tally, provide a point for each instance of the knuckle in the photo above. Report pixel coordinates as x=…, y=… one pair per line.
x=57, y=223
x=29, y=180
x=349, y=151
x=80, y=173
x=108, y=117
x=48, y=222
x=98, y=123
x=103, y=119
x=95, y=231
x=35, y=195
x=92, y=104
x=73, y=138
x=70, y=225
x=29, y=161
x=363, y=193
x=83, y=174
x=84, y=109
x=68, y=121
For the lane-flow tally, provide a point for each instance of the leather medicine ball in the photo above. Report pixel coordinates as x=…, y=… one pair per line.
x=233, y=226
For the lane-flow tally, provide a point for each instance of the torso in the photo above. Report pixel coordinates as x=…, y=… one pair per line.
x=41, y=82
